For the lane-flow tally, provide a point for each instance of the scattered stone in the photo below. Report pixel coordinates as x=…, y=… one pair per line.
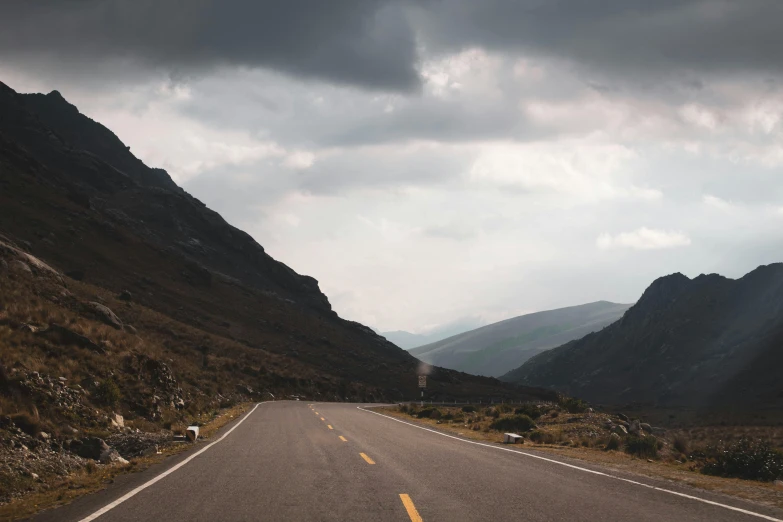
x=635, y=427
x=111, y=456
x=615, y=436
x=29, y=328
x=90, y=448
x=125, y=295
x=622, y=417
x=43, y=435
x=646, y=427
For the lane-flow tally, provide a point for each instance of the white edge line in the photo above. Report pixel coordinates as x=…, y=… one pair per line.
x=726, y=506
x=105, y=509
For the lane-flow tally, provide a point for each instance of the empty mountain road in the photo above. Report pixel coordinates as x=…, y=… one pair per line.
x=298, y=461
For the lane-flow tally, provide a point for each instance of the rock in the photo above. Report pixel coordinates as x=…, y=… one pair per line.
x=111, y=456
x=622, y=417
x=130, y=329
x=590, y=410
x=117, y=420
x=65, y=335
x=620, y=430
x=34, y=476
x=29, y=328
x=125, y=295
x=89, y=448
x=19, y=267
x=646, y=427
x=658, y=431
x=615, y=436
x=624, y=423
x=43, y=435
x=105, y=314
x=635, y=428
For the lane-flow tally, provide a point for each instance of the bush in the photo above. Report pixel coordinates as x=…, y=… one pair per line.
x=468, y=409
x=545, y=437
x=108, y=393
x=513, y=423
x=746, y=459
x=680, y=444
x=403, y=408
x=429, y=413
x=27, y=423
x=531, y=410
x=572, y=405
x=493, y=412
x=613, y=443
x=645, y=447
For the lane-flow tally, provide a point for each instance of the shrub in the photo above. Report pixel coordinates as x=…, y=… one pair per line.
x=493, y=412
x=468, y=409
x=531, y=410
x=27, y=423
x=746, y=459
x=545, y=437
x=680, y=444
x=513, y=423
x=572, y=405
x=429, y=413
x=645, y=447
x=403, y=408
x=108, y=393
x=613, y=443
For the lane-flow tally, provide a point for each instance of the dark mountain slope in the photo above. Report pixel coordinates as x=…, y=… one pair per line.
x=709, y=343
x=495, y=348
x=72, y=194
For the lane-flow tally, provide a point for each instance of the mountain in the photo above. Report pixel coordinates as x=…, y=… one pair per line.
x=708, y=344
x=408, y=341
x=495, y=348
x=74, y=197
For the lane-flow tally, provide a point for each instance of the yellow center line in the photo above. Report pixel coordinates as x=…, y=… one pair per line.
x=343, y=439
x=410, y=508
x=366, y=458
x=323, y=419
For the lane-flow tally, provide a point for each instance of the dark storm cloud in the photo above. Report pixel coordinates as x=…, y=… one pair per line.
x=619, y=35
x=363, y=42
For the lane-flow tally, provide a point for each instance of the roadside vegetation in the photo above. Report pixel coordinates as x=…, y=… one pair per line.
x=726, y=451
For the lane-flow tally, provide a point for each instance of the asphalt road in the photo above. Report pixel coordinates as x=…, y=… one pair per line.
x=285, y=462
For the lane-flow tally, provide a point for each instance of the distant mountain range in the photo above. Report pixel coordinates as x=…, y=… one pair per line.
x=494, y=349
x=408, y=340
x=708, y=343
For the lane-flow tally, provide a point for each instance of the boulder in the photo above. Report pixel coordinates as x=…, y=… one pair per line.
x=89, y=447
x=620, y=430
x=622, y=417
x=63, y=335
x=635, y=428
x=111, y=456
x=105, y=314
x=125, y=295
x=117, y=420
x=646, y=427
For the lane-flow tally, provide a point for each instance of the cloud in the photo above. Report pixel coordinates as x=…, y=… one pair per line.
x=361, y=42
x=617, y=36
x=643, y=239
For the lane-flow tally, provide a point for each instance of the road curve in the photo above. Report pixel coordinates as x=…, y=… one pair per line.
x=290, y=461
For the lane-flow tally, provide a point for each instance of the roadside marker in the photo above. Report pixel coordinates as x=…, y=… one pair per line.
x=366, y=458
x=410, y=508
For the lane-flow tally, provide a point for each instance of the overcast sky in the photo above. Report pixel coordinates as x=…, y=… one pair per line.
x=439, y=161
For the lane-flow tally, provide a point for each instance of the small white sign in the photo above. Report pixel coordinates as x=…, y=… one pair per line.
x=422, y=381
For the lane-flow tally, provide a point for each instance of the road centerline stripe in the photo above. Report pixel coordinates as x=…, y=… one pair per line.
x=329, y=426
x=108, y=507
x=587, y=470
x=323, y=419
x=366, y=458
x=343, y=439
x=410, y=508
